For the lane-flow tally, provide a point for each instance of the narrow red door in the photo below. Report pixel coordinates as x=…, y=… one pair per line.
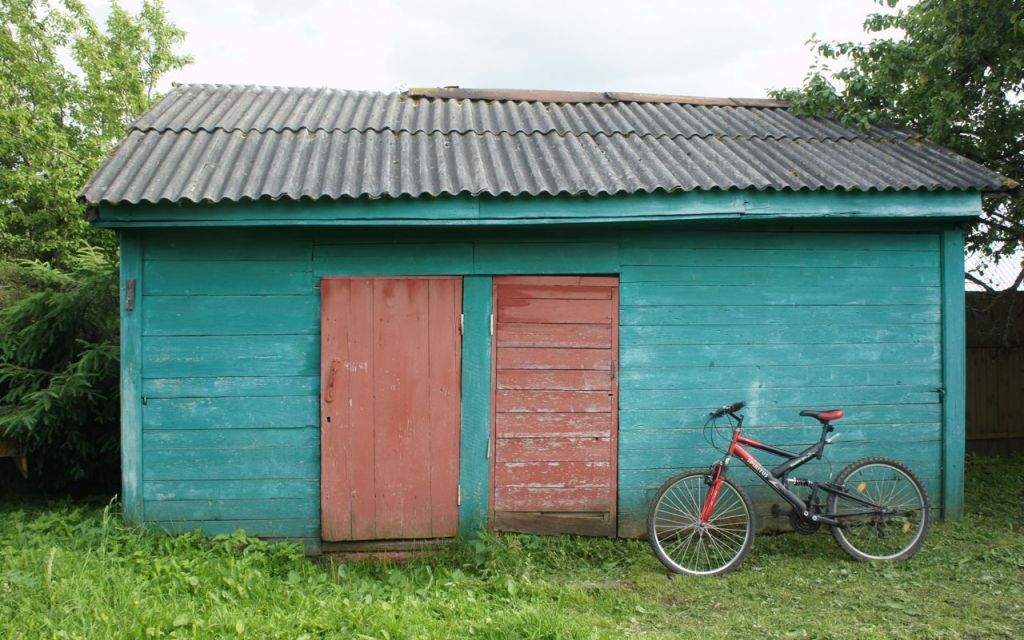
x=555, y=404
x=390, y=408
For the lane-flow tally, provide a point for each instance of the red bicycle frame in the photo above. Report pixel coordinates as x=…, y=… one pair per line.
x=774, y=478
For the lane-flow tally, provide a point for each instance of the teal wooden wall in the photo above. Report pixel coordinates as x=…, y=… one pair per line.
x=221, y=406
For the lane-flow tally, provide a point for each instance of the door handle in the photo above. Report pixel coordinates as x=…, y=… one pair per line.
x=329, y=395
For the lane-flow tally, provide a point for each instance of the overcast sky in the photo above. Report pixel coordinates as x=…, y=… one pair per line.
x=738, y=48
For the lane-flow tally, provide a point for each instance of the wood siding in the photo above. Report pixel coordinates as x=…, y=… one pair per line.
x=783, y=319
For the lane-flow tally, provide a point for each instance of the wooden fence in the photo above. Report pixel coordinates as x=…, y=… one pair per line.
x=995, y=373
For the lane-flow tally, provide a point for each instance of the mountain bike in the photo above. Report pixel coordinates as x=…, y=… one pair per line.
x=702, y=523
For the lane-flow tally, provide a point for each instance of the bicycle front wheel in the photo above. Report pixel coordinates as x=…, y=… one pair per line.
x=682, y=543
x=895, y=528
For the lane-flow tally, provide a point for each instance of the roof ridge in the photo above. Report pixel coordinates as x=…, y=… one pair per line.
x=853, y=135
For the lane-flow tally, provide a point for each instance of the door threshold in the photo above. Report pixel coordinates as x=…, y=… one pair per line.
x=356, y=546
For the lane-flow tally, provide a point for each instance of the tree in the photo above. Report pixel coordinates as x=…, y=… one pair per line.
x=68, y=91
x=950, y=69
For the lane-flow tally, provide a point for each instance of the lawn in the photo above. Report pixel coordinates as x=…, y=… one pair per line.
x=74, y=571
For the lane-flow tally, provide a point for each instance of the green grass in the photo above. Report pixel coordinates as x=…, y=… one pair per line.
x=72, y=571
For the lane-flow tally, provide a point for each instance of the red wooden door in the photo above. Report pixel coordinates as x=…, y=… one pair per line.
x=390, y=407
x=555, y=404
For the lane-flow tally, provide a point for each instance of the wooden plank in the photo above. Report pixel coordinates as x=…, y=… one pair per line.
x=357, y=421
x=807, y=397
x=579, y=425
x=685, y=457
x=591, y=499
x=211, y=510
x=154, y=440
x=581, y=524
x=553, y=359
x=220, y=277
x=252, y=488
x=477, y=363
x=406, y=259
x=227, y=315
x=794, y=437
x=552, y=450
x=555, y=291
x=730, y=334
x=549, y=311
x=953, y=373
x=638, y=256
x=132, y=461
x=494, y=257
x=554, y=380
x=593, y=336
x=640, y=355
x=215, y=356
x=443, y=376
x=832, y=242
x=766, y=416
x=676, y=294
x=401, y=407
x=760, y=376
x=224, y=386
x=230, y=413
x=523, y=401
x=258, y=245
x=740, y=313
x=552, y=474
x=800, y=274
x=229, y=464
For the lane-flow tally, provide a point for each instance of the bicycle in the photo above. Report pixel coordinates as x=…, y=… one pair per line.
x=702, y=523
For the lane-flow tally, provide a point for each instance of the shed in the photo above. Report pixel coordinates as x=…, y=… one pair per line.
x=352, y=316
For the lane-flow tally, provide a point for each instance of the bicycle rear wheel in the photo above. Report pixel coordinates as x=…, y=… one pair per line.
x=682, y=543
x=893, y=531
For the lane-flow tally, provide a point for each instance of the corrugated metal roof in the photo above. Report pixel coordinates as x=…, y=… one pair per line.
x=211, y=143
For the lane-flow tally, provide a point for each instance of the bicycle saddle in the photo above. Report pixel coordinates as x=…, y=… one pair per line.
x=823, y=416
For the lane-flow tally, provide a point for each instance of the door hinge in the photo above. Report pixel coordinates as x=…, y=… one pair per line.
x=492, y=324
x=458, y=501
x=942, y=394
x=462, y=324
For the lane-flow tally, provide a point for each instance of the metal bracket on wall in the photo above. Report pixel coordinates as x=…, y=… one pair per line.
x=129, y=295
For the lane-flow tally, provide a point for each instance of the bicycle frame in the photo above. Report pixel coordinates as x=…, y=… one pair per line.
x=776, y=478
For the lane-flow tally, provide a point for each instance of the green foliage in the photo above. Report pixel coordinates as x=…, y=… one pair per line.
x=59, y=366
x=68, y=91
x=950, y=69
x=71, y=571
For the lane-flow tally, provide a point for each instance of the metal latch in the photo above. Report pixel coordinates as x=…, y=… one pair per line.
x=942, y=394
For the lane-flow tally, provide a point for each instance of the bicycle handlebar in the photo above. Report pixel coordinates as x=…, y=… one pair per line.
x=730, y=409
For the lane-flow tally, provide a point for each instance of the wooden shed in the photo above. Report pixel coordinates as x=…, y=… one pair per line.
x=352, y=316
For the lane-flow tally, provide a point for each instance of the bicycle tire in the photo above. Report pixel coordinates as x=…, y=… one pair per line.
x=685, y=508
x=895, y=471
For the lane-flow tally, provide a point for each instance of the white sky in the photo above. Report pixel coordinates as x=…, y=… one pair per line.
x=738, y=48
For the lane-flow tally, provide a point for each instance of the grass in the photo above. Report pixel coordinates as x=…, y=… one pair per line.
x=73, y=571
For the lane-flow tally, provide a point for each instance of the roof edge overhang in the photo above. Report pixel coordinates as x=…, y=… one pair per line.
x=486, y=211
